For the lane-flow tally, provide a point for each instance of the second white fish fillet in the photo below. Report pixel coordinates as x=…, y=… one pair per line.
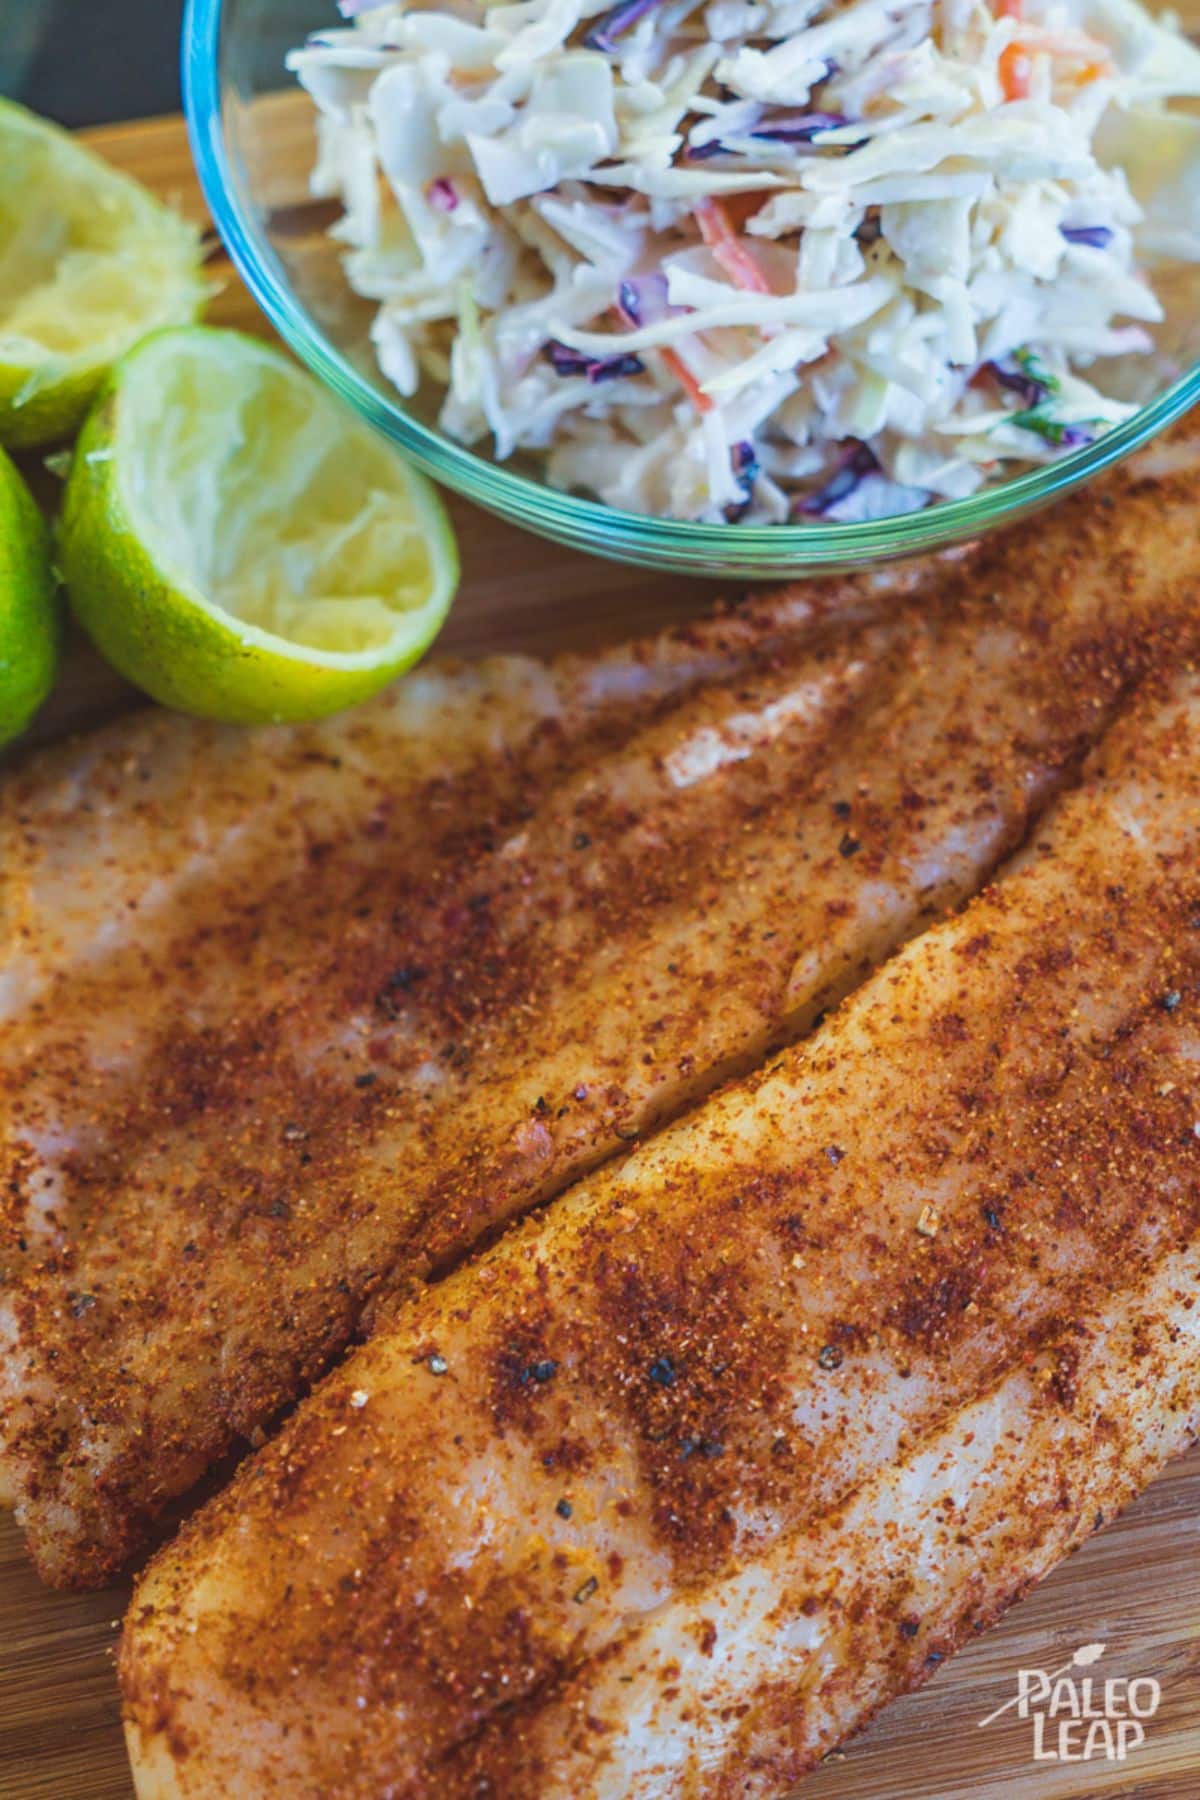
x=673, y=1488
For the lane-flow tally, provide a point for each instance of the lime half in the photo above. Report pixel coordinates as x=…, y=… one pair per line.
x=29, y=613
x=239, y=544
x=89, y=262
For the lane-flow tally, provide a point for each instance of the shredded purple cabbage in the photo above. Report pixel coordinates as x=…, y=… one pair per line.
x=702, y=152
x=642, y=300
x=1020, y=382
x=745, y=467
x=788, y=128
x=1098, y=236
x=799, y=128
x=565, y=361
x=442, y=194
x=857, y=463
x=605, y=31
x=745, y=464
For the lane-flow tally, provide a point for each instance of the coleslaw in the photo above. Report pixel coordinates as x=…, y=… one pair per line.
x=761, y=260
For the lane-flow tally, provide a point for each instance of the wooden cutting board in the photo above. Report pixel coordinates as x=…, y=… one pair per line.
x=1135, y=1588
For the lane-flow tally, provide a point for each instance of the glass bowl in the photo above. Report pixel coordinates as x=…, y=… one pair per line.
x=253, y=139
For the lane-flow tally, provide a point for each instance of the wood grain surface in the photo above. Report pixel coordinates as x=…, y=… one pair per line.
x=1135, y=1588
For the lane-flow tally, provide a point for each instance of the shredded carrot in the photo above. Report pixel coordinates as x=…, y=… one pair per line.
x=1015, y=68
x=1093, y=71
x=731, y=252
x=695, y=393
x=1016, y=62
x=681, y=372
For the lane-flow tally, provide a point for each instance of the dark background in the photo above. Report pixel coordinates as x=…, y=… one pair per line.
x=85, y=62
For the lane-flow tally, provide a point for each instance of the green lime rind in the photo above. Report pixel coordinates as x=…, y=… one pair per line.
x=30, y=614
x=136, y=592
x=89, y=262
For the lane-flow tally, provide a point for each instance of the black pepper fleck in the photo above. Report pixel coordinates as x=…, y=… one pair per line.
x=1171, y=1002
x=691, y=1446
x=564, y=1509
x=829, y=1357
x=849, y=846
x=404, y=977
x=663, y=1371
x=587, y=1590
x=397, y=983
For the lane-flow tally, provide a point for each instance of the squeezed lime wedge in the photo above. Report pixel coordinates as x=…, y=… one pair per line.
x=239, y=544
x=89, y=263
x=29, y=612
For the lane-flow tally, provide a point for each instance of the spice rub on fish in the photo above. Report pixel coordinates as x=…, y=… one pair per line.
x=389, y=982
x=675, y=1486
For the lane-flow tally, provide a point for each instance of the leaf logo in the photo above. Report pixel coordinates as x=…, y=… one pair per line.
x=1086, y=1654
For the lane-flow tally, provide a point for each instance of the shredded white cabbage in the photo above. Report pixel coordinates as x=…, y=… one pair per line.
x=761, y=259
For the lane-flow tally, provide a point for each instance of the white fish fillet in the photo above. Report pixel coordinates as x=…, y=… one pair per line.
x=673, y=1488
